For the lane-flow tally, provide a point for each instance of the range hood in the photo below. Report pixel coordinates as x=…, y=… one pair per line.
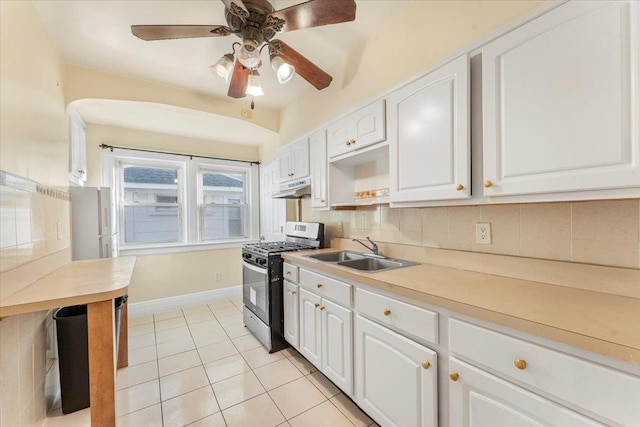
x=294, y=190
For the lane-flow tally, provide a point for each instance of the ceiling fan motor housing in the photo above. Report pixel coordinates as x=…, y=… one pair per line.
x=251, y=27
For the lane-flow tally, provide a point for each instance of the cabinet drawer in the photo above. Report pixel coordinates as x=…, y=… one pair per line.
x=408, y=318
x=595, y=388
x=290, y=272
x=326, y=287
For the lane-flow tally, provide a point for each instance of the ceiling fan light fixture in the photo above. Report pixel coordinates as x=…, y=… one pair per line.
x=223, y=66
x=284, y=71
x=249, y=54
x=253, y=84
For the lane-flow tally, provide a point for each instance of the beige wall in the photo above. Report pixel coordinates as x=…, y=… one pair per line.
x=594, y=232
x=415, y=38
x=84, y=83
x=170, y=275
x=132, y=138
x=33, y=145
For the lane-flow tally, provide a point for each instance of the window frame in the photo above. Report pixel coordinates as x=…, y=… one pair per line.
x=189, y=195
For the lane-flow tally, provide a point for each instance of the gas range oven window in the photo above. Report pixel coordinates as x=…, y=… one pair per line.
x=255, y=288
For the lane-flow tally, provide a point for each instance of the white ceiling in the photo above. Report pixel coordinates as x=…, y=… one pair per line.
x=96, y=34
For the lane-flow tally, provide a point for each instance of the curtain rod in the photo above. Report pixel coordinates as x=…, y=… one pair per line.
x=191, y=156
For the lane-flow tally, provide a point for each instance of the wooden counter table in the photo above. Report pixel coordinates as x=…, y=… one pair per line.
x=95, y=283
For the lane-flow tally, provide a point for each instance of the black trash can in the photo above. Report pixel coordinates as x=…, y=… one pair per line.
x=73, y=353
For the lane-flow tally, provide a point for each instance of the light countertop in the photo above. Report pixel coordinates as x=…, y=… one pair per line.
x=78, y=282
x=604, y=323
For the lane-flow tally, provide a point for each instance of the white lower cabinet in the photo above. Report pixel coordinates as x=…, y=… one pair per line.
x=479, y=399
x=396, y=378
x=291, y=314
x=326, y=338
x=594, y=390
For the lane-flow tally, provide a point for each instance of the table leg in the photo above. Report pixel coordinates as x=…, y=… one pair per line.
x=123, y=351
x=102, y=362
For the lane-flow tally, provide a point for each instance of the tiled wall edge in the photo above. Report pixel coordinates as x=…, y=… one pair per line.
x=19, y=183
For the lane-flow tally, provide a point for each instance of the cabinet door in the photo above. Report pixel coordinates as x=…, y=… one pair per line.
x=336, y=345
x=368, y=125
x=291, y=314
x=339, y=135
x=429, y=145
x=478, y=399
x=396, y=378
x=318, y=166
x=560, y=102
x=310, y=329
x=284, y=164
x=300, y=159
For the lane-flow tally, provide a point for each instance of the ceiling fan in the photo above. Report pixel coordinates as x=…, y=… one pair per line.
x=256, y=23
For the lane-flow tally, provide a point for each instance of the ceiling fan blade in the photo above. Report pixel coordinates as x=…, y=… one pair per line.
x=166, y=32
x=239, y=81
x=316, y=13
x=304, y=68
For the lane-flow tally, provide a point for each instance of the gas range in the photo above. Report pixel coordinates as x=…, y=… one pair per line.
x=262, y=281
x=275, y=248
x=299, y=236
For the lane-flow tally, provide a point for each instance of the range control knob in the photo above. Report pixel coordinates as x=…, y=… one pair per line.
x=261, y=261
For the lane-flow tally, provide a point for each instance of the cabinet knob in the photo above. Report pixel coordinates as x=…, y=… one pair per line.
x=520, y=364
x=426, y=365
x=488, y=184
x=353, y=141
x=322, y=307
x=459, y=187
x=454, y=376
x=316, y=305
x=292, y=292
x=319, y=285
x=81, y=171
x=348, y=142
x=387, y=312
x=321, y=200
x=288, y=273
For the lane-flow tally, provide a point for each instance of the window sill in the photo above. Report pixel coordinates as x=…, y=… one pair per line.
x=180, y=248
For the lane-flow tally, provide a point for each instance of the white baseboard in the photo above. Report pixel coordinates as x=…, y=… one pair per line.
x=138, y=309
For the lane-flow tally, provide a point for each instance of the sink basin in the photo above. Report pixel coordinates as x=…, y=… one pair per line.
x=375, y=264
x=337, y=256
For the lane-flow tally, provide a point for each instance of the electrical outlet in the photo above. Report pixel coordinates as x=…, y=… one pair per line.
x=483, y=233
x=217, y=277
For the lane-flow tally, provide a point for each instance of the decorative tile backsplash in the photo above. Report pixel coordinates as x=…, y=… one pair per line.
x=34, y=221
x=603, y=232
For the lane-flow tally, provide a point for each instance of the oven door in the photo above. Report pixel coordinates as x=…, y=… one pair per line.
x=255, y=290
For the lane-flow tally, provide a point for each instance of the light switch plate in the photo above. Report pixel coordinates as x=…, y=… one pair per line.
x=483, y=233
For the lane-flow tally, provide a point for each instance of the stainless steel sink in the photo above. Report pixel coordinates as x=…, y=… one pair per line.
x=337, y=256
x=375, y=264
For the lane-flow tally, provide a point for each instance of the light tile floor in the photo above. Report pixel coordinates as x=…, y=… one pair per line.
x=200, y=366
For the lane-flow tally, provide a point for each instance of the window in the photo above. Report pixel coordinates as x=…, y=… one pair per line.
x=224, y=205
x=172, y=201
x=152, y=213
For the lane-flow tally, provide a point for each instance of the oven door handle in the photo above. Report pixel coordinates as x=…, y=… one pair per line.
x=254, y=268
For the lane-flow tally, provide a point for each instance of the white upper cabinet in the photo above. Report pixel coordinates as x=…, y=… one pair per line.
x=357, y=130
x=429, y=154
x=293, y=160
x=77, y=150
x=560, y=102
x=318, y=166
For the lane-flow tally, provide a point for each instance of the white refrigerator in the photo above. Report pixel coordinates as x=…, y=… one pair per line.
x=93, y=233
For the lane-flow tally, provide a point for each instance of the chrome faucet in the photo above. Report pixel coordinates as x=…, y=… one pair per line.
x=373, y=248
